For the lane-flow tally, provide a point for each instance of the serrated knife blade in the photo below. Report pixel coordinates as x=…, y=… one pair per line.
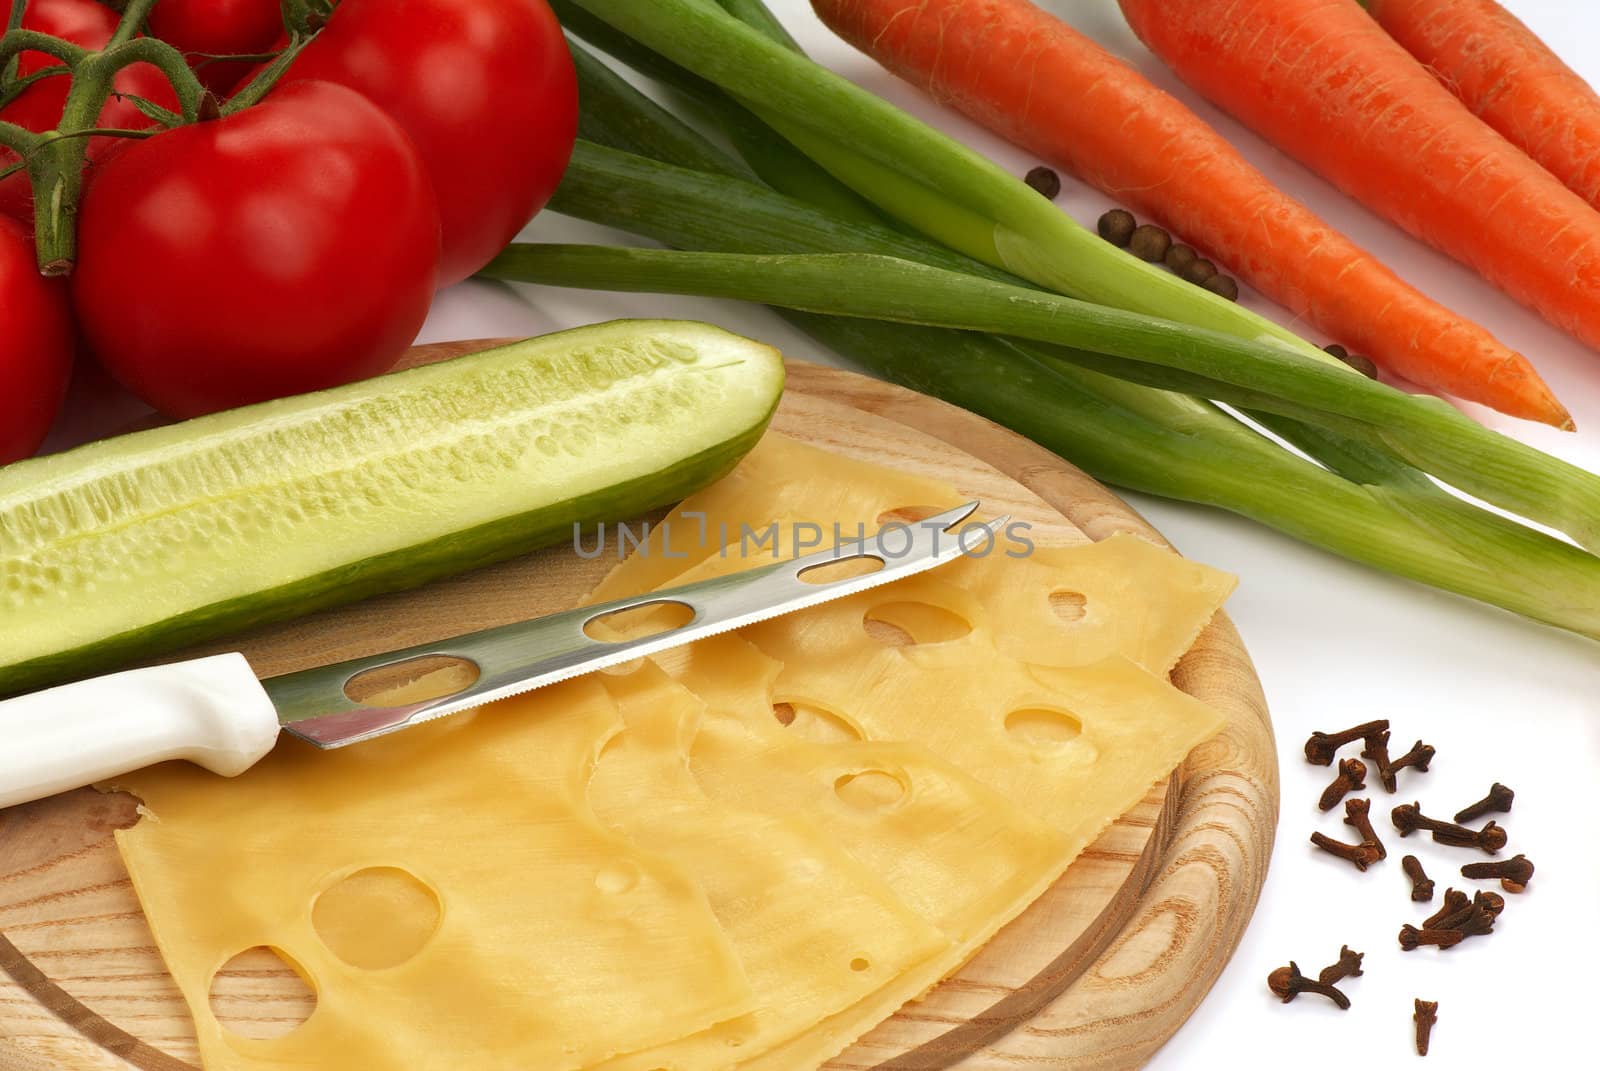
x=314, y=705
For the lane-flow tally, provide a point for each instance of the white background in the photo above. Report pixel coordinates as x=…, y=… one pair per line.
x=1335, y=644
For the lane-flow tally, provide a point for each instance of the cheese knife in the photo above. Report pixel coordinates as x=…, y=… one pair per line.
x=215, y=712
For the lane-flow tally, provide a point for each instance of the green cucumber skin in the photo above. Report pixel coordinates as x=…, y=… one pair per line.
x=397, y=570
x=487, y=538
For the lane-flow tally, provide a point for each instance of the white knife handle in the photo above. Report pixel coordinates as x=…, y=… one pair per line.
x=211, y=711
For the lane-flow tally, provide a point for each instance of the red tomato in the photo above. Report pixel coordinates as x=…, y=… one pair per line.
x=218, y=28
x=39, y=107
x=287, y=248
x=35, y=345
x=487, y=91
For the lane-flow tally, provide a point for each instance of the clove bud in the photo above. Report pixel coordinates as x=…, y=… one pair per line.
x=1287, y=983
x=1421, y=884
x=1357, y=817
x=1352, y=778
x=1377, y=750
x=1349, y=966
x=1412, y=938
x=1499, y=799
x=1360, y=856
x=1454, y=901
x=1417, y=758
x=1426, y=1014
x=1514, y=873
x=1320, y=748
x=1490, y=839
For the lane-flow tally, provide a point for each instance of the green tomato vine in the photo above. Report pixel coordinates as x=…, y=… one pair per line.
x=54, y=159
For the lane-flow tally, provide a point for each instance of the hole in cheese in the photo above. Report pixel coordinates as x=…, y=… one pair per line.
x=261, y=993
x=843, y=569
x=376, y=918
x=870, y=789
x=639, y=622
x=615, y=879
x=814, y=722
x=901, y=624
x=860, y=963
x=413, y=680
x=909, y=514
x=1042, y=727
x=1069, y=606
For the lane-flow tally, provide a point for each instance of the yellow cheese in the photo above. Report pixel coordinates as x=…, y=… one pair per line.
x=783, y=481
x=815, y=930
x=969, y=856
x=557, y=943
x=956, y=851
x=1070, y=606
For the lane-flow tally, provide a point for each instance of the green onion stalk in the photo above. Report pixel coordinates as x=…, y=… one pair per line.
x=1385, y=514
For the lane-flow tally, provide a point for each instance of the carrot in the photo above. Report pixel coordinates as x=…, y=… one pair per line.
x=1508, y=78
x=1325, y=83
x=1034, y=80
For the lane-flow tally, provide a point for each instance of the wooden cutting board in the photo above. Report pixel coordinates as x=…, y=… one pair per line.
x=1097, y=974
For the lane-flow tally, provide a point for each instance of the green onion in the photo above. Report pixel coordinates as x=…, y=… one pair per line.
x=908, y=169
x=1372, y=508
x=1422, y=430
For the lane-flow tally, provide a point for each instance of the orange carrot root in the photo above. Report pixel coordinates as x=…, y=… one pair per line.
x=1324, y=82
x=1507, y=77
x=1034, y=80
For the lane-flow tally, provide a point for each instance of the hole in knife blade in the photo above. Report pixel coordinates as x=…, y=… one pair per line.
x=843, y=569
x=414, y=680
x=639, y=622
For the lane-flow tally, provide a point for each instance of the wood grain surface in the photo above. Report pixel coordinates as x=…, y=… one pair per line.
x=1097, y=974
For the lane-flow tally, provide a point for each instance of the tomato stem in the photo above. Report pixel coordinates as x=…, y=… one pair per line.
x=267, y=77
x=16, y=42
x=55, y=160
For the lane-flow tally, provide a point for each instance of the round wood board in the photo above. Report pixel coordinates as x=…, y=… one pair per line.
x=1097, y=974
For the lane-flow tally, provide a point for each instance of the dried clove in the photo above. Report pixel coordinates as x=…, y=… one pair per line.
x=1412, y=938
x=1349, y=966
x=1045, y=180
x=1421, y=884
x=1499, y=800
x=1117, y=226
x=1490, y=839
x=1492, y=902
x=1360, y=855
x=1352, y=778
x=1356, y=815
x=1320, y=748
x=1377, y=749
x=1417, y=758
x=1408, y=818
x=1454, y=901
x=1514, y=873
x=1287, y=983
x=1426, y=1015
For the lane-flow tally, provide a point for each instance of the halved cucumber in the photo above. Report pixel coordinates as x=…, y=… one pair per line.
x=131, y=546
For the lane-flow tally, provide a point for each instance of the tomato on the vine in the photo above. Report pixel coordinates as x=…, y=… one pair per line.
x=202, y=28
x=38, y=108
x=35, y=345
x=286, y=248
x=486, y=90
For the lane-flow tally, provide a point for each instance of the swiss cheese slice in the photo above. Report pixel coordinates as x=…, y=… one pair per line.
x=557, y=944
x=1044, y=604
x=815, y=930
